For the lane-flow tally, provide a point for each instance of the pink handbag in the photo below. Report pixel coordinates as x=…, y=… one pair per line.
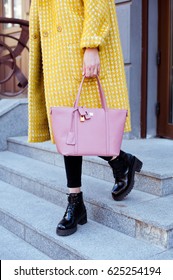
x=80, y=131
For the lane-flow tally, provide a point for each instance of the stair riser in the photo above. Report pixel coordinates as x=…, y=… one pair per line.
x=117, y=221
x=37, y=239
x=143, y=182
x=153, y=234
x=155, y=186
x=35, y=153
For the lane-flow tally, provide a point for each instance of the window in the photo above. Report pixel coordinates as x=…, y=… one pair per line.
x=12, y=9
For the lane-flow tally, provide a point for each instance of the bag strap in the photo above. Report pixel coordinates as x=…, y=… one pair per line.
x=102, y=95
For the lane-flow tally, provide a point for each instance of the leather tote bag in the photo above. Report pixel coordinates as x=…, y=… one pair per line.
x=80, y=131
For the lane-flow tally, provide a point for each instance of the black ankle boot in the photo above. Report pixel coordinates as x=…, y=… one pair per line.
x=74, y=214
x=124, y=167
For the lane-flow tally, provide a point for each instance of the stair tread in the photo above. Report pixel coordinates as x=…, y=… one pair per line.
x=138, y=205
x=42, y=217
x=15, y=248
x=157, y=159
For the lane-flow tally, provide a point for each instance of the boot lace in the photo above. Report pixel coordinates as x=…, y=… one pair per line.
x=71, y=206
x=69, y=210
x=119, y=168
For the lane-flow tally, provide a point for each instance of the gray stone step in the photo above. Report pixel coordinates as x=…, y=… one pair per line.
x=141, y=215
x=15, y=248
x=11, y=123
x=155, y=178
x=34, y=220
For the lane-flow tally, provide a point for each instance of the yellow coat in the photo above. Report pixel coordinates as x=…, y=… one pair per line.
x=59, y=32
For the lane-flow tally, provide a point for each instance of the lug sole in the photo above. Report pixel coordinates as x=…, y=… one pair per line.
x=135, y=166
x=66, y=232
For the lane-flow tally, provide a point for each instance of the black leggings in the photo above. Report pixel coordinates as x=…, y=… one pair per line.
x=73, y=167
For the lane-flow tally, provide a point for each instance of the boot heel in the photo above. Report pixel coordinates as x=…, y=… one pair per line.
x=138, y=165
x=83, y=220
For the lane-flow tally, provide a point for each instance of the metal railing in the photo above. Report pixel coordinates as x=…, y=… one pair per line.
x=8, y=56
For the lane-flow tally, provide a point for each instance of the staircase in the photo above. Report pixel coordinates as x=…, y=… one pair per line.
x=33, y=200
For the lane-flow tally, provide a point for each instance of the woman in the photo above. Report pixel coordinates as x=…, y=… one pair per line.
x=68, y=39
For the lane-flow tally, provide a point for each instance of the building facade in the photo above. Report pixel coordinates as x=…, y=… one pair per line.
x=146, y=29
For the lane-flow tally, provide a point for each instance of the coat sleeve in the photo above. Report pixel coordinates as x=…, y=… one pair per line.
x=38, y=123
x=96, y=24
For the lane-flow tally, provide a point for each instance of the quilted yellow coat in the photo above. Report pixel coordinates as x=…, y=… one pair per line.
x=60, y=30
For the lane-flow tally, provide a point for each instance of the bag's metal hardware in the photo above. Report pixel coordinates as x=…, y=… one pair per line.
x=82, y=118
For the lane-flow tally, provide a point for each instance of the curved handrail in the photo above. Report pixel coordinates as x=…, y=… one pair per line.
x=14, y=21
x=9, y=59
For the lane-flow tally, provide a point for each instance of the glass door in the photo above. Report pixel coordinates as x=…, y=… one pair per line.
x=165, y=70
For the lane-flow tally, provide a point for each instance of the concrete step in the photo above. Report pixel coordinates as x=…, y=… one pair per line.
x=15, y=248
x=155, y=178
x=141, y=215
x=34, y=220
x=11, y=123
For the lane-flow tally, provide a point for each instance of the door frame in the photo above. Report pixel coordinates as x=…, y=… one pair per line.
x=164, y=129
x=144, y=68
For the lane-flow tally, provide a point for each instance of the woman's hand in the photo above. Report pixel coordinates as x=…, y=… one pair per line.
x=91, y=63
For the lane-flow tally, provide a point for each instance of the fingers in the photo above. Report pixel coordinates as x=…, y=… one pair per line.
x=91, y=62
x=95, y=71
x=91, y=71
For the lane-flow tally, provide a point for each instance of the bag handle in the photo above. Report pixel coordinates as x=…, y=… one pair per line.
x=102, y=95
